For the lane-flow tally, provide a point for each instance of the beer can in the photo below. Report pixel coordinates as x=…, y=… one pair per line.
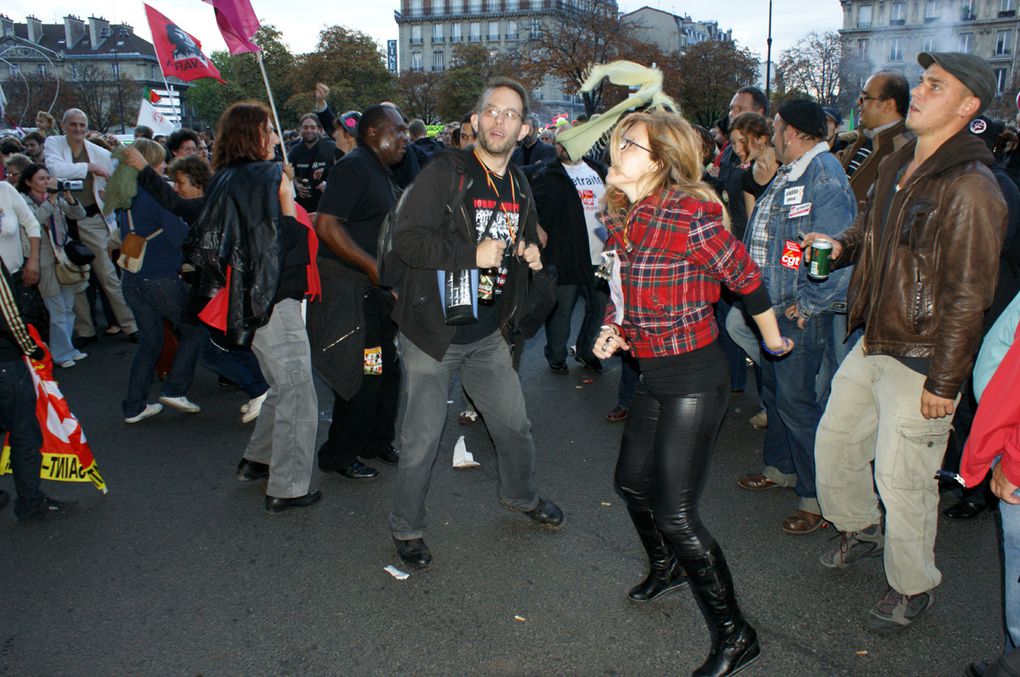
x=821, y=260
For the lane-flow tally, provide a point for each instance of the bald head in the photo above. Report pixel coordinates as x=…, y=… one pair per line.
x=75, y=124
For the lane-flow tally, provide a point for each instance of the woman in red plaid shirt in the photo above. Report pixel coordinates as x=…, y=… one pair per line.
x=672, y=252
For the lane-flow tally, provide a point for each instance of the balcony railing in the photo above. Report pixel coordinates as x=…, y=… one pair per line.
x=438, y=40
x=897, y=22
x=415, y=41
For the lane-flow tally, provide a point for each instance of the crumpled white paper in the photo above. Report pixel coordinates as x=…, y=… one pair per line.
x=462, y=458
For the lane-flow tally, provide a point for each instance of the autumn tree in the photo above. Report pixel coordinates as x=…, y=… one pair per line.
x=714, y=69
x=210, y=98
x=109, y=102
x=33, y=93
x=470, y=68
x=350, y=62
x=813, y=66
x=418, y=92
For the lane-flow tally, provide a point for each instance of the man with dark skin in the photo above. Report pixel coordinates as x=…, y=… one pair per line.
x=362, y=368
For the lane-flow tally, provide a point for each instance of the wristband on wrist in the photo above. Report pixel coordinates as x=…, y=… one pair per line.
x=612, y=327
x=765, y=347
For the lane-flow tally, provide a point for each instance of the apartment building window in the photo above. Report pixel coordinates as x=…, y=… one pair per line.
x=511, y=30
x=929, y=45
x=1000, y=80
x=864, y=16
x=116, y=69
x=416, y=61
x=967, y=12
x=455, y=35
x=1003, y=42
x=512, y=5
x=476, y=32
x=493, y=30
x=895, y=50
x=415, y=35
x=414, y=7
x=437, y=33
x=862, y=48
x=898, y=13
x=40, y=69
x=438, y=61
x=966, y=43
x=456, y=6
x=535, y=30
x=1007, y=5
x=438, y=7
x=475, y=6
x=931, y=10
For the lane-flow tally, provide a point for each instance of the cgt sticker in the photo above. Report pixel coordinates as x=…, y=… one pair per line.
x=791, y=255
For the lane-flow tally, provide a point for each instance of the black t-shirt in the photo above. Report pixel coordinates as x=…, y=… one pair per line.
x=685, y=374
x=498, y=199
x=360, y=193
x=306, y=161
x=751, y=185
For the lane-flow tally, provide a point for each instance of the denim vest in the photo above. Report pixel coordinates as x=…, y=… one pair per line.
x=814, y=196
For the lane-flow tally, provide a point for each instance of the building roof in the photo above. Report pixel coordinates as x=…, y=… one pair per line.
x=121, y=42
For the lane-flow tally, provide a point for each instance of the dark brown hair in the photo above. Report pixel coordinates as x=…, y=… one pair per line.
x=195, y=168
x=241, y=134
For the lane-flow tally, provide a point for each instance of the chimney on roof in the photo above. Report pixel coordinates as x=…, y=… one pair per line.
x=99, y=30
x=34, y=29
x=6, y=26
x=74, y=29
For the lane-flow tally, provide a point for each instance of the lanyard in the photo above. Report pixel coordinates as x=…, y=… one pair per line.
x=492, y=186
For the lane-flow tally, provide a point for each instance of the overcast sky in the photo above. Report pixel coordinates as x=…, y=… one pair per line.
x=748, y=18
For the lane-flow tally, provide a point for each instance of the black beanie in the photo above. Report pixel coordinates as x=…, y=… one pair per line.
x=804, y=116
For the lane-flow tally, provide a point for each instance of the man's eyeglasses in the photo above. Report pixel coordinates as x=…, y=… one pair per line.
x=862, y=97
x=625, y=142
x=508, y=114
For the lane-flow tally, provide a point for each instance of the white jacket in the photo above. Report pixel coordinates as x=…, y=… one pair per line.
x=60, y=164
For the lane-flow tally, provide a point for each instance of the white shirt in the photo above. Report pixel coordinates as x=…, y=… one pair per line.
x=14, y=215
x=590, y=191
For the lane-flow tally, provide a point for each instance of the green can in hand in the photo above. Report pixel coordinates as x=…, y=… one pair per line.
x=821, y=260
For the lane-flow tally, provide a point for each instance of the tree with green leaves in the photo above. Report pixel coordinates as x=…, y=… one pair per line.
x=715, y=70
x=471, y=67
x=418, y=93
x=813, y=66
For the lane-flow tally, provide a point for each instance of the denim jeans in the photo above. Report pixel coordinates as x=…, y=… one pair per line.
x=789, y=388
x=488, y=376
x=235, y=364
x=151, y=301
x=557, y=326
x=735, y=356
x=61, y=308
x=1010, y=515
x=17, y=415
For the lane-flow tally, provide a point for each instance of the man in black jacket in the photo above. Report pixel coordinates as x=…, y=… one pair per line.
x=567, y=195
x=468, y=216
x=17, y=410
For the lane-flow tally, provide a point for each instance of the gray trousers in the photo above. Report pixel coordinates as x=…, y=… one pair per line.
x=285, y=431
x=492, y=384
x=95, y=235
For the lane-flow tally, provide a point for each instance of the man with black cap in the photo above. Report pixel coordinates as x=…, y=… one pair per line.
x=810, y=192
x=925, y=252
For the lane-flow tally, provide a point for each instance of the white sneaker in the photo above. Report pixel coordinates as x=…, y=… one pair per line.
x=181, y=403
x=254, y=408
x=67, y=364
x=79, y=356
x=149, y=411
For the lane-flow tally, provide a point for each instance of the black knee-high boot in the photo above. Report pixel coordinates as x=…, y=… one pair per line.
x=734, y=641
x=664, y=571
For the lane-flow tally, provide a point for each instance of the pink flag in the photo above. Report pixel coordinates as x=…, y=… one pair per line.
x=238, y=23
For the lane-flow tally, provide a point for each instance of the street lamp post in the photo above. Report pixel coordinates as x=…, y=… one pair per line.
x=116, y=72
x=768, y=56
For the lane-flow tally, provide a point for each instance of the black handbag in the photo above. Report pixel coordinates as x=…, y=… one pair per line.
x=77, y=253
x=538, y=305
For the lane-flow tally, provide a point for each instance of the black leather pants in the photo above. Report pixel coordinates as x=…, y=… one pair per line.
x=664, y=458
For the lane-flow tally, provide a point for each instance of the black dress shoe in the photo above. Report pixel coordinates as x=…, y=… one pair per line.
x=967, y=507
x=414, y=553
x=4, y=499
x=133, y=337
x=593, y=363
x=358, y=471
x=546, y=513
x=274, y=505
x=45, y=509
x=83, y=341
x=250, y=471
x=389, y=455
x=559, y=368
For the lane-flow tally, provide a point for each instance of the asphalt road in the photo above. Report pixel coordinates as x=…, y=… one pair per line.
x=179, y=571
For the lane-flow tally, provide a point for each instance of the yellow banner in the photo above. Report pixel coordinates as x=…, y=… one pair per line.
x=59, y=467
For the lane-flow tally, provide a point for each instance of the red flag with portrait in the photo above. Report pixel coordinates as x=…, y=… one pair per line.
x=179, y=53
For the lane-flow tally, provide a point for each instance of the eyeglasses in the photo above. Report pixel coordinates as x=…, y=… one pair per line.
x=862, y=97
x=508, y=114
x=624, y=142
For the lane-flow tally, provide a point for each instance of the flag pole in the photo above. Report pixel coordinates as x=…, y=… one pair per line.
x=170, y=93
x=272, y=106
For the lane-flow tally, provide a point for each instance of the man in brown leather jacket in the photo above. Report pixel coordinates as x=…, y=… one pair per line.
x=925, y=251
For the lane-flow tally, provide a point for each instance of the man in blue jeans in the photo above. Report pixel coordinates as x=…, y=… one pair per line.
x=491, y=235
x=810, y=192
x=17, y=410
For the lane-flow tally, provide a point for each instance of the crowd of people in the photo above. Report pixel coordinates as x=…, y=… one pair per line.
x=851, y=269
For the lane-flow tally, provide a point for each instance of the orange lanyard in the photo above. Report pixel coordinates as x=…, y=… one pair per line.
x=494, y=189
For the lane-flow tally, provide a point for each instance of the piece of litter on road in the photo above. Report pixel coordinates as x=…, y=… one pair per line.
x=519, y=618
x=395, y=572
x=449, y=401
x=462, y=458
x=588, y=380
x=862, y=653
x=606, y=503
x=579, y=387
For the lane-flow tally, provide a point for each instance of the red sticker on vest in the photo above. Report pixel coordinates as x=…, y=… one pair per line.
x=791, y=255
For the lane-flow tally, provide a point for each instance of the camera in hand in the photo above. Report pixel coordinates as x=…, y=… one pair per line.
x=68, y=184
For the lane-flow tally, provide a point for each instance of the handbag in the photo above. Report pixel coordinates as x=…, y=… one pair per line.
x=70, y=273
x=77, y=253
x=537, y=306
x=132, y=249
